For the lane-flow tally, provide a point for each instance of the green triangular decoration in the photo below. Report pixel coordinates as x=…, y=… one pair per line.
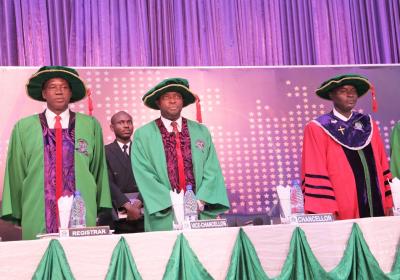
x=245, y=264
x=358, y=261
x=183, y=263
x=122, y=265
x=54, y=264
x=301, y=262
x=395, y=274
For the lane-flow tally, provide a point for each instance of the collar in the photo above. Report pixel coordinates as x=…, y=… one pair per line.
x=340, y=116
x=51, y=118
x=121, y=145
x=168, y=126
x=51, y=114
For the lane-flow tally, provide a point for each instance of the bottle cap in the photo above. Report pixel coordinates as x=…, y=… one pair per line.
x=77, y=193
x=295, y=182
x=189, y=187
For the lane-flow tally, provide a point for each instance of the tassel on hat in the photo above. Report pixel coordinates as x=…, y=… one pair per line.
x=179, y=85
x=374, y=101
x=90, y=102
x=362, y=84
x=198, y=109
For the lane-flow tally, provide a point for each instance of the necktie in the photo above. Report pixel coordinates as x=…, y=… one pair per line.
x=59, y=144
x=125, y=148
x=181, y=167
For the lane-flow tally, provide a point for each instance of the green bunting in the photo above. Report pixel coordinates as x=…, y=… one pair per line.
x=358, y=261
x=301, y=262
x=395, y=274
x=183, y=263
x=54, y=264
x=122, y=265
x=245, y=264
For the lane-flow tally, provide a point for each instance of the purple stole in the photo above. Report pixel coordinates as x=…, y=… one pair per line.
x=169, y=143
x=354, y=133
x=49, y=141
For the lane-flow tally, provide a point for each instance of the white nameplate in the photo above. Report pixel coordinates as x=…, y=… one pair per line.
x=311, y=218
x=84, y=231
x=215, y=223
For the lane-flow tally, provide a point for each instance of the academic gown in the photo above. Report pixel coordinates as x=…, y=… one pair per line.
x=23, y=189
x=395, y=151
x=150, y=169
x=331, y=170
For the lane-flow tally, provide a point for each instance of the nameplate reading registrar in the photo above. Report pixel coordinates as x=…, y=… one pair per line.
x=85, y=231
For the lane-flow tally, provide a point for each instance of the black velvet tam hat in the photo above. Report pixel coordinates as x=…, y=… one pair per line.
x=361, y=84
x=179, y=85
x=35, y=83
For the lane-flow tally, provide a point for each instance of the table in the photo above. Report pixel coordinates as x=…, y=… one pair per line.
x=89, y=257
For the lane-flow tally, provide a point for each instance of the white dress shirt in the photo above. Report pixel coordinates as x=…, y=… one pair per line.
x=168, y=126
x=121, y=145
x=340, y=116
x=51, y=118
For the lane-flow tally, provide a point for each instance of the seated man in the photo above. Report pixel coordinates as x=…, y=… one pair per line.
x=172, y=152
x=126, y=216
x=344, y=166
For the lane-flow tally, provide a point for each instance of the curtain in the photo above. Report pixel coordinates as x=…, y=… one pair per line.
x=198, y=32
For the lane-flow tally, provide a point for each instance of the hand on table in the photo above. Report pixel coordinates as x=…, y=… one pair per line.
x=133, y=210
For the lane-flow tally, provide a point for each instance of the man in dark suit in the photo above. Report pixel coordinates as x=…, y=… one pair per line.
x=124, y=192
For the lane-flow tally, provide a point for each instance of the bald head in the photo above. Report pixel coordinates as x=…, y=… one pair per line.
x=119, y=115
x=122, y=126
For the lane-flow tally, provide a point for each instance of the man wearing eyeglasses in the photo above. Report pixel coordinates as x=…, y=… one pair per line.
x=344, y=165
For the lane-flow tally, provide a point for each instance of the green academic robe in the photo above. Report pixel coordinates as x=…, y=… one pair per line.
x=395, y=151
x=23, y=189
x=150, y=169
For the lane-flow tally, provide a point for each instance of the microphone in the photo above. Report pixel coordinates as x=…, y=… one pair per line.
x=257, y=221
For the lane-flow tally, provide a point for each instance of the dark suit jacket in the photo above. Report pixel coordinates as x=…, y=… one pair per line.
x=122, y=181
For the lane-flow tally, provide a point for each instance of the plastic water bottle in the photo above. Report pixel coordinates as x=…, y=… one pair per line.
x=296, y=198
x=78, y=212
x=190, y=205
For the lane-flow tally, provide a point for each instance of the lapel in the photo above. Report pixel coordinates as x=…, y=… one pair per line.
x=119, y=154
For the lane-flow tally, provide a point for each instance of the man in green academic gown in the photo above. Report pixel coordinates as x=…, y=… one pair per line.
x=173, y=152
x=53, y=154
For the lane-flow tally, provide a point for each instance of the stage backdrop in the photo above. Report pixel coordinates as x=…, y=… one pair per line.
x=256, y=115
